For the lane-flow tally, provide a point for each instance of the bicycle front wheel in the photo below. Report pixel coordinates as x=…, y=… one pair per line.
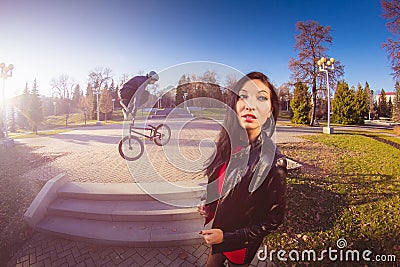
x=131, y=148
x=162, y=135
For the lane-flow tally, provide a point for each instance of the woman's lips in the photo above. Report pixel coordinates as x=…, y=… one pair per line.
x=249, y=117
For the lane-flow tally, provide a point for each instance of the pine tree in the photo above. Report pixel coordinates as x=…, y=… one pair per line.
x=383, y=110
x=361, y=104
x=343, y=109
x=396, y=103
x=370, y=94
x=23, y=105
x=390, y=108
x=76, y=96
x=301, y=104
x=35, y=110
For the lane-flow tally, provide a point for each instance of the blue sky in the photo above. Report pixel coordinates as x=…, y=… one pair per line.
x=45, y=39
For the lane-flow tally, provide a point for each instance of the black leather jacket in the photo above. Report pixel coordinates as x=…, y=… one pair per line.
x=253, y=206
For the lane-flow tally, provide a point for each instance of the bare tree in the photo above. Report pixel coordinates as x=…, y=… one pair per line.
x=63, y=86
x=124, y=78
x=105, y=102
x=284, y=96
x=85, y=104
x=230, y=80
x=99, y=76
x=311, y=45
x=391, y=12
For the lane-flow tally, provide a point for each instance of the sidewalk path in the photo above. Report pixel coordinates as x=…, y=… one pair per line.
x=91, y=155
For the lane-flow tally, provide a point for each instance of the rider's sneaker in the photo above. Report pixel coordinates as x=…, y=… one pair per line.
x=125, y=114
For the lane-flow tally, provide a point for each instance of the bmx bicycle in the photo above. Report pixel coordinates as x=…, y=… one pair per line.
x=131, y=147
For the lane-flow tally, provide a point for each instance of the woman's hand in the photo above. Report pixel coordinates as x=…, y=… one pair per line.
x=201, y=209
x=213, y=236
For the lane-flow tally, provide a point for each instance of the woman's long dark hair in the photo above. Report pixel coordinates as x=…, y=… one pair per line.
x=231, y=134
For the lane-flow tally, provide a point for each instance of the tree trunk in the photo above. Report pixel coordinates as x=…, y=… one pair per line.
x=314, y=105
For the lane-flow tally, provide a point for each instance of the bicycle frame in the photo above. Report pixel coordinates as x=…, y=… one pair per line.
x=150, y=128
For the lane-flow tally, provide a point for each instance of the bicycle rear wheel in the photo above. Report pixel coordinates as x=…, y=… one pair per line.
x=131, y=148
x=162, y=135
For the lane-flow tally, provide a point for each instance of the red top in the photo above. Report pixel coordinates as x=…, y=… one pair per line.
x=235, y=256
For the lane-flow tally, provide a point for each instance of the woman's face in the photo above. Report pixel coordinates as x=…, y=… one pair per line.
x=254, y=106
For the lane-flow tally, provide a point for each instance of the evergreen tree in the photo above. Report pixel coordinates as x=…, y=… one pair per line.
x=361, y=104
x=12, y=120
x=390, y=108
x=370, y=94
x=23, y=105
x=35, y=109
x=383, y=109
x=343, y=109
x=396, y=103
x=76, y=96
x=301, y=104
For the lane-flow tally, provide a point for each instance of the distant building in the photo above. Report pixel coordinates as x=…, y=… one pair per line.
x=389, y=95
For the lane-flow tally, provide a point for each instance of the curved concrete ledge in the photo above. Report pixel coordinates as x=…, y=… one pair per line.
x=38, y=208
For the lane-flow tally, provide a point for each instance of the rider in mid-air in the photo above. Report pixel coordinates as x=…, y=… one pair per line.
x=131, y=93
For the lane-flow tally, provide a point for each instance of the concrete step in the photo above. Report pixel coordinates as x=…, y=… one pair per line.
x=138, y=234
x=132, y=192
x=121, y=210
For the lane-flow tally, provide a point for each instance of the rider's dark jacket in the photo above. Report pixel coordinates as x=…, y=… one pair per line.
x=253, y=198
x=131, y=86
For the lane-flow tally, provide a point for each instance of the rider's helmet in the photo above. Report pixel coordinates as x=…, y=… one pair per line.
x=153, y=75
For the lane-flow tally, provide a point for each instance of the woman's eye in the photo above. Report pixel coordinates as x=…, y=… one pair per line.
x=262, y=98
x=243, y=96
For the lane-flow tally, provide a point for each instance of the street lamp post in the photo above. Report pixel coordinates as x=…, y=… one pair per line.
x=185, y=95
x=325, y=65
x=97, y=92
x=6, y=72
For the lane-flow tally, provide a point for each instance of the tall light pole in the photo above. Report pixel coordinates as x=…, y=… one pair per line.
x=6, y=72
x=185, y=95
x=96, y=91
x=325, y=65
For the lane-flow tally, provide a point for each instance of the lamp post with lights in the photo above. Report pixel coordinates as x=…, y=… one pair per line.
x=96, y=91
x=5, y=72
x=325, y=65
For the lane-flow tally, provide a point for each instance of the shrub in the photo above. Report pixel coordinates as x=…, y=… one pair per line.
x=397, y=130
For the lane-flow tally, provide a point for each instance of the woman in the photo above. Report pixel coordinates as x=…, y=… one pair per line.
x=246, y=178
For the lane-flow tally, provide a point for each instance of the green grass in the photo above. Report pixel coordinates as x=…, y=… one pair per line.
x=215, y=113
x=348, y=188
x=40, y=134
x=77, y=119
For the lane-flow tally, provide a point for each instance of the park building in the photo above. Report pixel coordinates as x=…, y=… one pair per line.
x=389, y=96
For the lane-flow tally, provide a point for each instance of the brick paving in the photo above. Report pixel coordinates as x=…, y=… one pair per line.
x=91, y=155
x=49, y=251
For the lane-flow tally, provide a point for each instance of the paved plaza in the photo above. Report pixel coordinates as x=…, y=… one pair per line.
x=90, y=154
